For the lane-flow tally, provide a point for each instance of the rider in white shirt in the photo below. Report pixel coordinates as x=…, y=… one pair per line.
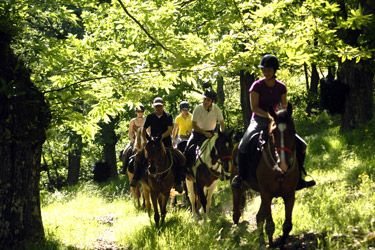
x=205, y=117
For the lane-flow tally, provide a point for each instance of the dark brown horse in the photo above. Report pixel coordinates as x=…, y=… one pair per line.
x=159, y=179
x=215, y=158
x=276, y=176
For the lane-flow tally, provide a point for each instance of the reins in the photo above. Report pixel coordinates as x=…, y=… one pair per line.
x=220, y=163
x=157, y=162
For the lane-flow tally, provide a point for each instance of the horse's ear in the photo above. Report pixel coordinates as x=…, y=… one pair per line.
x=148, y=137
x=290, y=109
x=272, y=112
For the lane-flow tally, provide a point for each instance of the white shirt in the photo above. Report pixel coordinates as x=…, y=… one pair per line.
x=207, y=120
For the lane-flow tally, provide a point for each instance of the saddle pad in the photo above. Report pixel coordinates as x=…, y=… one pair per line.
x=203, y=152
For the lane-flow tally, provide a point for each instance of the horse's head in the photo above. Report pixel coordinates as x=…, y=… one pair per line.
x=224, y=147
x=138, y=145
x=154, y=153
x=283, y=131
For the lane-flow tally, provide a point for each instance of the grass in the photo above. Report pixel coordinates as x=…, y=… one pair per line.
x=336, y=214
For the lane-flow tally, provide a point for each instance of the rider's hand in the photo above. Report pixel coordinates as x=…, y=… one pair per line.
x=208, y=134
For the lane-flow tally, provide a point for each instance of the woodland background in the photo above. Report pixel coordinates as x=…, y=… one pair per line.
x=72, y=72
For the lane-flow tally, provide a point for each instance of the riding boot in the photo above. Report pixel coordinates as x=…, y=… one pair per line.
x=238, y=179
x=301, y=182
x=177, y=179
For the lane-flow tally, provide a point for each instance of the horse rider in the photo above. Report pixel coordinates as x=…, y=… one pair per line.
x=160, y=123
x=265, y=93
x=182, y=124
x=136, y=123
x=205, y=117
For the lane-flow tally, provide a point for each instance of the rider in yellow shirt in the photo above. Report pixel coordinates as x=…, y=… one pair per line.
x=183, y=124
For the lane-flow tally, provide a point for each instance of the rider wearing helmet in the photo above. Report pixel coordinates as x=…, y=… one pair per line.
x=136, y=122
x=159, y=123
x=205, y=117
x=182, y=125
x=264, y=93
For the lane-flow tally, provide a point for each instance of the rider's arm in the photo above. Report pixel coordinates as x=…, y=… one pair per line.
x=131, y=131
x=174, y=132
x=222, y=126
x=254, y=104
x=167, y=133
x=284, y=102
x=199, y=130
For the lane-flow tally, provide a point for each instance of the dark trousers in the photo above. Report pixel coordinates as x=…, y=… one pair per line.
x=196, y=139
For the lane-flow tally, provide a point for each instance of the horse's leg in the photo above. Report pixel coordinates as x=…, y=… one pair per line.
x=154, y=199
x=137, y=195
x=142, y=191
x=146, y=193
x=263, y=213
x=202, y=197
x=287, y=226
x=237, y=199
x=210, y=192
x=163, y=207
x=186, y=195
x=190, y=187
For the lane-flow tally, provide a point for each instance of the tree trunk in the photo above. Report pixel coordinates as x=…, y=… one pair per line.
x=313, y=90
x=74, y=167
x=359, y=100
x=246, y=79
x=220, y=92
x=110, y=158
x=109, y=140
x=24, y=117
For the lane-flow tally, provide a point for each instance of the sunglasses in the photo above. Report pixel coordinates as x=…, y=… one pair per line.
x=140, y=111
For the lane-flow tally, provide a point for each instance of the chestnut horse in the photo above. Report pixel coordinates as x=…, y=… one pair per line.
x=276, y=176
x=125, y=157
x=214, y=158
x=159, y=177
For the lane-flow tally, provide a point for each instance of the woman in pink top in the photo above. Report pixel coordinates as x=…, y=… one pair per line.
x=264, y=93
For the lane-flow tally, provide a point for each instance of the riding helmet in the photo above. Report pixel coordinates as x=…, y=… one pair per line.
x=139, y=107
x=209, y=93
x=269, y=61
x=184, y=105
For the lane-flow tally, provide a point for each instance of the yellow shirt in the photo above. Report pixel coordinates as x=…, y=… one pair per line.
x=184, y=124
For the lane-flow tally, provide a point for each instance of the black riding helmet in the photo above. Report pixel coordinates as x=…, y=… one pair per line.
x=269, y=61
x=184, y=105
x=139, y=107
x=210, y=94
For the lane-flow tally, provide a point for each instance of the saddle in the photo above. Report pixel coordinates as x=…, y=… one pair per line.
x=201, y=153
x=252, y=157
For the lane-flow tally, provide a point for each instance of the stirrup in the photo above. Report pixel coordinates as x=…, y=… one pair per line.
x=237, y=182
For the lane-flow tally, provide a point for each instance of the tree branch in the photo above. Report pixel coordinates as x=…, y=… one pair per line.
x=143, y=28
x=130, y=73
